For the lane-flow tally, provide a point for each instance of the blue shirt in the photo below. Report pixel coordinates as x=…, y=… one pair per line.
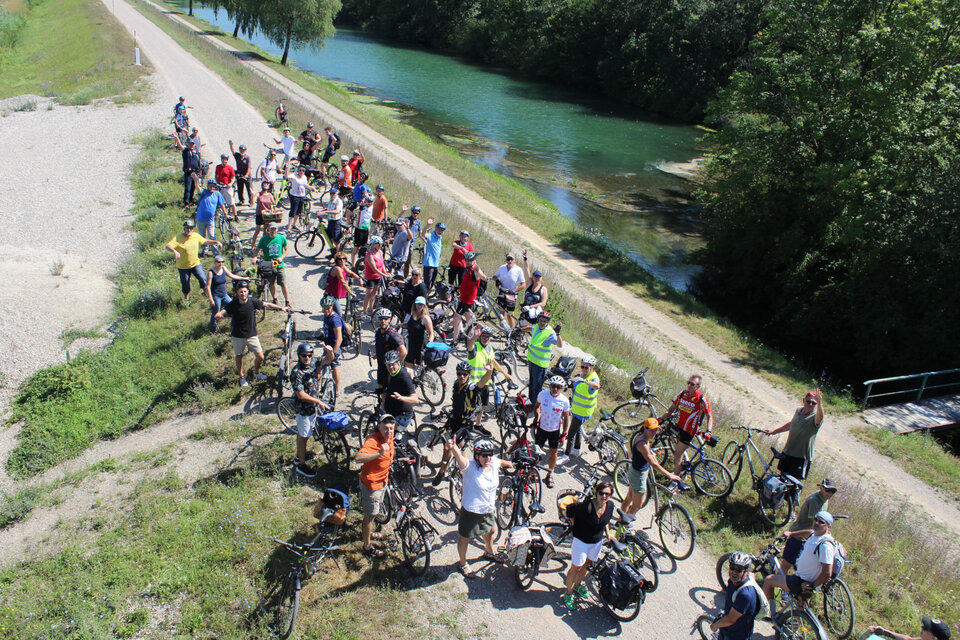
x=207, y=205
x=330, y=323
x=359, y=191
x=746, y=603
x=432, y=249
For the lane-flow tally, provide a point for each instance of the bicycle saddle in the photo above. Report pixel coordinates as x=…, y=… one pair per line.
x=606, y=415
x=625, y=517
x=789, y=479
x=521, y=459
x=776, y=454
x=618, y=546
x=536, y=507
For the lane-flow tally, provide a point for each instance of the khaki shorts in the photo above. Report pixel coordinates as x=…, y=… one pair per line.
x=241, y=345
x=227, y=193
x=372, y=500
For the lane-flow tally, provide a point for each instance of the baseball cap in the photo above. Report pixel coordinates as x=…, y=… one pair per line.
x=189, y=223
x=440, y=225
x=243, y=147
x=273, y=225
x=209, y=182
x=537, y=273
x=510, y=256
x=938, y=628
x=825, y=516
x=224, y=156
x=286, y=128
x=420, y=300
x=380, y=186
x=828, y=484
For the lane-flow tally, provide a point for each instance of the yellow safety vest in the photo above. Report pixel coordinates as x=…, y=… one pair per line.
x=584, y=400
x=538, y=353
x=478, y=364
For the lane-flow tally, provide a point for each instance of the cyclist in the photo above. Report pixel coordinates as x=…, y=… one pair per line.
x=373, y=271
x=375, y=458
x=334, y=209
x=361, y=231
x=818, y=501
x=360, y=191
x=185, y=248
x=265, y=203
x=433, y=247
x=226, y=176
x=479, y=354
x=469, y=291
x=693, y=407
x=299, y=186
x=803, y=429
x=540, y=350
x=310, y=138
x=400, y=395
x=419, y=333
x=415, y=227
x=338, y=284
x=509, y=277
x=458, y=265
x=356, y=164
x=930, y=629
x=412, y=289
x=402, y=242
x=273, y=246
x=267, y=171
x=463, y=399
x=242, y=161
x=641, y=459
x=586, y=391
x=216, y=289
x=385, y=340
x=535, y=294
x=191, y=171
x=380, y=205
x=552, y=412
x=815, y=564
x=591, y=525
x=345, y=176
x=288, y=141
x=333, y=331
x=243, y=328
x=741, y=601
x=209, y=202
x=481, y=477
x=303, y=381
x=333, y=143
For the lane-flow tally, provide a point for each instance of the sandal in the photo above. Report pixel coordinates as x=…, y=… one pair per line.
x=549, y=482
x=465, y=572
x=373, y=552
x=376, y=535
x=491, y=557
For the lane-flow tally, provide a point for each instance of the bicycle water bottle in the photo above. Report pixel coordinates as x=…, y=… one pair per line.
x=496, y=396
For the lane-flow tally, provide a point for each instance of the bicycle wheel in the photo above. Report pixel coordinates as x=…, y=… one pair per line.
x=777, y=515
x=664, y=456
x=722, y=570
x=416, y=547
x=280, y=114
x=279, y=380
x=532, y=492
x=328, y=391
x=796, y=624
x=527, y=572
x=677, y=531
x=733, y=457
x=611, y=452
x=432, y=386
x=621, y=479
x=630, y=414
x=711, y=478
x=309, y=244
x=520, y=372
x=703, y=627
x=331, y=173
x=386, y=509
x=356, y=337
x=640, y=554
x=629, y=612
x=838, y=609
x=430, y=441
x=287, y=412
x=456, y=486
x=506, y=495
x=285, y=199
x=288, y=605
x=337, y=450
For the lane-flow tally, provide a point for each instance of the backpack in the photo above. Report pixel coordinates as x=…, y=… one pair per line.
x=839, y=554
x=763, y=605
x=325, y=279
x=620, y=584
x=336, y=141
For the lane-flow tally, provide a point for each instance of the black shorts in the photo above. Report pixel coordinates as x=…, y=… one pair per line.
x=371, y=284
x=483, y=396
x=793, y=584
x=258, y=218
x=327, y=153
x=383, y=376
x=414, y=356
x=794, y=466
x=360, y=237
x=463, y=308
x=551, y=438
x=684, y=437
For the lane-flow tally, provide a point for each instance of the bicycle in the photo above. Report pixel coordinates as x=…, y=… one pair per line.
x=702, y=626
x=645, y=404
x=677, y=531
x=235, y=252
x=735, y=452
x=610, y=445
x=512, y=492
x=287, y=406
x=310, y=243
x=287, y=357
x=709, y=476
x=777, y=493
x=280, y=113
x=354, y=304
x=431, y=384
x=628, y=608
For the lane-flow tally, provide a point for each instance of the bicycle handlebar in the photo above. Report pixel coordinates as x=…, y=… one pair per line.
x=743, y=427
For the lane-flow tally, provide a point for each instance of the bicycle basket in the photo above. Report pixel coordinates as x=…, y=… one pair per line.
x=436, y=355
x=518, y=544
x=333, y=421
x=772, y=491
x=639, y=387
x=564, y=500
x=507, y=299
x=620, y=584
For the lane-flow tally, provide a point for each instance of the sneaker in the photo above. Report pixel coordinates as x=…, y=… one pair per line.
x=563, y=459
x=243, y=382
x=574, y=452
x=683, y=486
x=569, y=602
x=304, y=470
x=483, y=430
x=260, y=376
x=436, y=481
x=581, y=591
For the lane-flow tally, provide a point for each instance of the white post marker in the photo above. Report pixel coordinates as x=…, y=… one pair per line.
x=136, y=51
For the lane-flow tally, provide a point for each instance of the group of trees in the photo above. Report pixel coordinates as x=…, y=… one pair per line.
x=283, y=22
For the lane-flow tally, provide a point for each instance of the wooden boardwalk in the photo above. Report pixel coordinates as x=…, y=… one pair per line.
x=932, y=413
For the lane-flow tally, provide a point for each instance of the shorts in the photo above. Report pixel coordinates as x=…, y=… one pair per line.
x=581, y=551
x=241, y=345
x=383, y=376
x=258, y=218
x=792, y=548
x=227, y=193
x=371, y=284
x=473, y=525
x=793, y=584
x=483, y=396
x=277, y=277
x=336, y=358
x=360, y=237
x=463, y=308
x=327, y=153
x=305, y=425
x=638, y=479
x=372, y=500
x=683, y=436
x=414, y=357
x=552, y=438
x=794, y=466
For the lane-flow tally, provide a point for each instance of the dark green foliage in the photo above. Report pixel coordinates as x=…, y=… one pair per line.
x=833, y=215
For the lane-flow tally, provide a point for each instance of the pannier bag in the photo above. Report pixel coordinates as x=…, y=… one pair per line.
x=334, y=420
x=564, y=367
x=772, y=491
x=507, y=299
x=620, y=585
x=443, y=290
x=436, y=354
x=518, y=544
x=266, y=269
x=638, y=387
x=437, y=318
x=333, y=505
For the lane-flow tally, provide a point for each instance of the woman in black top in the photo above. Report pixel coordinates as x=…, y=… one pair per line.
x=419, y=333
x=414, y=288
x=591, y=524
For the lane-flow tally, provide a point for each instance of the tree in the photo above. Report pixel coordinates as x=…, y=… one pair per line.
x=833, y=206
x=297, y=22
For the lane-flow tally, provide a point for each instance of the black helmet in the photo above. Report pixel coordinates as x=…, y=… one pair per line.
x=392, y=357
x=470, y=255
x=305, y=348
x=463, y=367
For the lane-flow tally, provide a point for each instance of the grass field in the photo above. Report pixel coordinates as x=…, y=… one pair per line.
x=919, y=454
x=71, y=50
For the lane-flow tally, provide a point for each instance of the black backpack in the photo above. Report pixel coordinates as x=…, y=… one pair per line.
x=336, y=141
x=620, y=585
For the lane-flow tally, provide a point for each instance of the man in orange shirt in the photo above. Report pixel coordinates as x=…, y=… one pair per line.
x=375, y=458
x=380, y=205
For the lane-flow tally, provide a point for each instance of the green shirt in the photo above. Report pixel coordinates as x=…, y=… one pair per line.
x=814, y=505
x=272, y=248
x=802, y=435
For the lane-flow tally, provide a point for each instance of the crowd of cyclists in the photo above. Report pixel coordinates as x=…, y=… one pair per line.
x=383, y=252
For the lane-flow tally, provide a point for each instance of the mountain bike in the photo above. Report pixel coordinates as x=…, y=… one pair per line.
x=287, y=407
x=709, y=476
x=776, y=508
x=610, y=445
x=678, y=533
x=307, y=562
x=311, y=242
x=431, y=384
x=736, y=452
x=288, y=357
x=518, y=496
x=645, y=404
x=280, y=113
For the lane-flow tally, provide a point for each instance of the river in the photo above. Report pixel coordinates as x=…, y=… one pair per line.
x=596, y=161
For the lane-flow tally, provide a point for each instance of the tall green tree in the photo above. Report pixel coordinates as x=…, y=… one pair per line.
x=297, y=22
x=834, y=203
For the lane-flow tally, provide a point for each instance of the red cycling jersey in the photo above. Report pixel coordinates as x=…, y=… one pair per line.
x=691, y=411
x=469, y=287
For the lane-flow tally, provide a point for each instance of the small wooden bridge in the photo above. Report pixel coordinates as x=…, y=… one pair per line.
x=918, y=414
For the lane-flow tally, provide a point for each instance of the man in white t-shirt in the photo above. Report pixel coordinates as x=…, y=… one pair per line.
x=815, y=564
x=267, y=171
x=552, y=413
x=288, y=141
x=509, y=276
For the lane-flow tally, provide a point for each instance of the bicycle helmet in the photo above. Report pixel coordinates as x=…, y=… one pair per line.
x=384, y=314
x=740, y=559
x=242, y=284
x=310, y=125
x=545, y=315
x=369, y=196
x=415, y=209
x=557, y=381
x=391, y=357
x=588, y=360
x=344, y=159
x=470, y=255
x=484, y=446
x=464, y=367
x=327, y=301
x=651, y=423
x=374, y=240
x=305, y=348
x=485, y=330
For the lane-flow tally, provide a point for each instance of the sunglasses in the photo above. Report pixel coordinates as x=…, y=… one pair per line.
x=829, y=490
x=605, y=494
x=737, y=569
x=819, y=521
x=584, y=366
x=693, y=384
x=810, y=402
x=484, y=455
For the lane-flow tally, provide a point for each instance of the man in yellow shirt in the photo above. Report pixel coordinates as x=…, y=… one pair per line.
x=186, y=249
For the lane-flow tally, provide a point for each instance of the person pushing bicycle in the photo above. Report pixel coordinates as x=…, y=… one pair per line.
x=306, y=391
x=692, y=406
x=464, y=397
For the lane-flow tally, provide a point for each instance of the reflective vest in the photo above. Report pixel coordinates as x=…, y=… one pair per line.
x=538, y=353
x=478, y=363
x=584, y=400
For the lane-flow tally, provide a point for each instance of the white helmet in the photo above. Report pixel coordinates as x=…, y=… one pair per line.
x=588, y=359
x=557, y=381
x=344, y=159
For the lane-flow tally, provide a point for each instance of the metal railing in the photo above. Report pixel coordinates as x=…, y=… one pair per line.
x=924, y=386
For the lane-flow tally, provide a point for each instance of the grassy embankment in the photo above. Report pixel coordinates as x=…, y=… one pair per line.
x=890, y=551
x=71, y=50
